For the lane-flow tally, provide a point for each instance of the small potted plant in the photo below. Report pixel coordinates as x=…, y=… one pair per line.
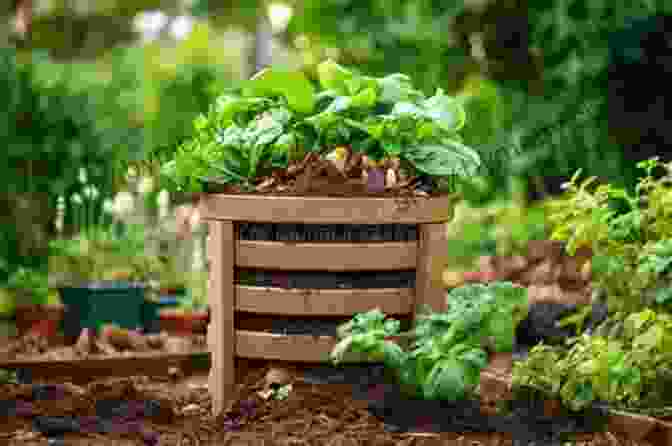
x=171, y=282
x=33, y=311
x=102, y=278
x=192, y=315
x=168, y=291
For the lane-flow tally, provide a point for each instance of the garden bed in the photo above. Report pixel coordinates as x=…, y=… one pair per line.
x=179, y=414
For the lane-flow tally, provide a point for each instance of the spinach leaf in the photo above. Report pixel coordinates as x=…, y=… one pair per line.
x=293, y=86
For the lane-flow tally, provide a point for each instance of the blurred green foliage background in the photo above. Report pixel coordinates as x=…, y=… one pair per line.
x=110, y=83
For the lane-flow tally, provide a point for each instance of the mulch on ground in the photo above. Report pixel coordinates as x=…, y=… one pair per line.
x=144, y=411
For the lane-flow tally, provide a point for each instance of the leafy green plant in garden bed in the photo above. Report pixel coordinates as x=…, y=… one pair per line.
x=448, y=349
x=629, y=234
x=503, y=227
x=626, y=364
x=278, y=117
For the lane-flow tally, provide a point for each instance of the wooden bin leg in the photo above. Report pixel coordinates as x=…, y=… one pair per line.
x=221, y=332
x=432, y=260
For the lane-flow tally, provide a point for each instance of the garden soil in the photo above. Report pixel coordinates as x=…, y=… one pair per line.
x=36, y=347
x=144, y=411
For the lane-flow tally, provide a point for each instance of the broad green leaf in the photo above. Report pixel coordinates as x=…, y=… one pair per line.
x=664, y=296
x=340, y=104
x=280, y=115
x=408, y=378
x=392, y=149
x=476, y=358
x=449, y=158
x=367, y=341
x=342, y=347
x=650, y=339
x=201, y=122
x=354, y=85
x=501, y=331
x=365, y=98
x=294, y=86
x=267, y=135
x=396, y=88
x=345, y=329
x=393, y=355
x=332, y=76
x=285, y=142
x=324, y=120
x=584, y=393
x=446, y=381
x=445, y=110
x=226, y=107
x=391, y=327
x=407, y=108
x=635, y=322
x=357, y=125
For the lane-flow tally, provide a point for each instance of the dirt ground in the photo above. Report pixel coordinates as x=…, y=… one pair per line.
x=310, y=415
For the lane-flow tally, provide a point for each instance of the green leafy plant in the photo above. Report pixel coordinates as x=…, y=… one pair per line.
x=49, y=131
x=629, y=235
x=8, y=377
x=102, y=254
x=502, y=227
x=197, y=291
x=278, y=116
x=448, y=349
x=626, y=363
x=29, y=285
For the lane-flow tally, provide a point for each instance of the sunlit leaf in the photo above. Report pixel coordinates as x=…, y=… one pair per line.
x=292, y=85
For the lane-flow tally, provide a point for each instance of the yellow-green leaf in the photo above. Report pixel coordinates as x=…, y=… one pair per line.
x=293, y=85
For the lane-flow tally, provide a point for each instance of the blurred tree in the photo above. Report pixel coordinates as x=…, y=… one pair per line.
x=71, y=29
x=49, y=131
x=550, y=59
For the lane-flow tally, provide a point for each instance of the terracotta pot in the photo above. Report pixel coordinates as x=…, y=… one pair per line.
x=184, y=323
x=171, y=291
x=44, y=320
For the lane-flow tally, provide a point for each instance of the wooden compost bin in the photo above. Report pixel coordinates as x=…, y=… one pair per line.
x=226, y=251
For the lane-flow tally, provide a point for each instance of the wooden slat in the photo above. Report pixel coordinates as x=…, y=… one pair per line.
x=295, y=348
x=432, y=260
x=288, y=348
x=327, y=210
x=221, y=331
x=302, y=302
x=85, y=369
x=383, y=256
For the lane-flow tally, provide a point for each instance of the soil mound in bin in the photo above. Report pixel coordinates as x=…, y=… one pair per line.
x=310, y=326
x=282, y=232
x=325, y=280
x=326, y=233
